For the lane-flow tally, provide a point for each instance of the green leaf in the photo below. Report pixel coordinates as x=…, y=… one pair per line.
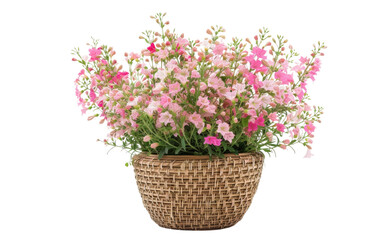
x=244, y=122
x=183, y=144
x=178, y=150
x=161, y=153
x=224, y=144
x=209, y=151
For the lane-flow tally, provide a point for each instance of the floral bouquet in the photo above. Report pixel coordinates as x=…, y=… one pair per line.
x=203, y=97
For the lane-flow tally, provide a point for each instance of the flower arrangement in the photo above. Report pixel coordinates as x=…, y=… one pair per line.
x=205, y=97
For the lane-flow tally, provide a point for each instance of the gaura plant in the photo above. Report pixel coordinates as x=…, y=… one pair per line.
x=204, y=97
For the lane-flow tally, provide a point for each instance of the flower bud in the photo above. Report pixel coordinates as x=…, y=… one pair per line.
x=146, y=138
x=265, y=63
x=154, y=145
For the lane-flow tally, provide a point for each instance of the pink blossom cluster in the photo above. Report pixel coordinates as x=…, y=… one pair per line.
x=182, y=96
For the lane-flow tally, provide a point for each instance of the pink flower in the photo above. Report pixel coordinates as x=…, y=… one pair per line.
x=146, y=138
x=182, y=42
x=134, y=56
x=161, y=54
x=165, y=100
x=165, y=118
x=220, y=63
x=260, y=53
x=94, y=54
x=174, y=88
x=182, y=76
x=175, y=107
x=284, y=77
x=303, y=60
x=280, y=127
x=273, y=117
x=296, y=132
x=223, y=128
x=230, y=95
x=161, y=74
x=256, y=64
x=252, y=80
x=152, y=48
x=260, y=121
x=303, y=85
x=219, y=48
x=299, y=92
x=211, y=140
x=118, y=95
x=269, y=135
x=215, y=82
x=211, y=109
x=154, y=145
x=229, y=136
x=92, y=95
x=203, y=86
x=195, y=74
x=239, y=87
x=308, y=154
x=252, y=126
x=172, y=64
x=196, y=119
x=202, y=101
x=309, y=128
x=134, y=114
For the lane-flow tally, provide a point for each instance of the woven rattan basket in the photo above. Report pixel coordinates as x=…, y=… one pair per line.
x=191, y=192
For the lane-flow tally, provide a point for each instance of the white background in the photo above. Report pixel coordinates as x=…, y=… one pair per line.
x=57, y=182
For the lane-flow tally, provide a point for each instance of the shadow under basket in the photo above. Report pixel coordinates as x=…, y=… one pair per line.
x=194, y=193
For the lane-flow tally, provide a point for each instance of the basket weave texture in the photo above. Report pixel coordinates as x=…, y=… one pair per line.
x=194, y=193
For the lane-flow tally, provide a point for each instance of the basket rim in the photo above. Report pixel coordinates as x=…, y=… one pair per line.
x=183, y=157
